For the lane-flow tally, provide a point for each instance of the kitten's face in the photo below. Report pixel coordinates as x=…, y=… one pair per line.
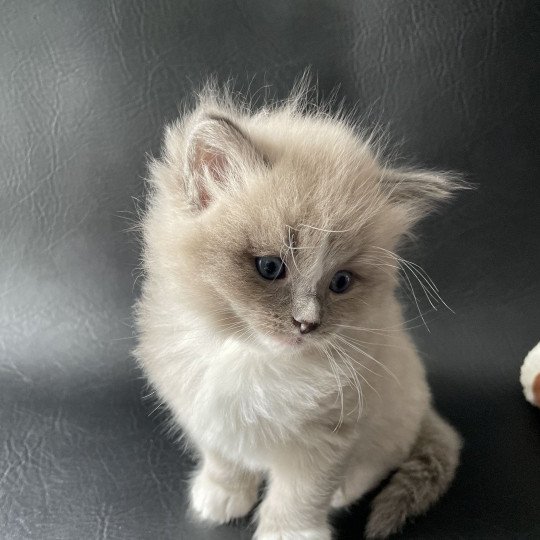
x=291, y=274
x=280, y=232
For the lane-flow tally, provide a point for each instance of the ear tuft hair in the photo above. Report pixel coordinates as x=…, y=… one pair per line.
x=419, y=192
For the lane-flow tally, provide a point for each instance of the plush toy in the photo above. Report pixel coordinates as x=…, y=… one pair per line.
x=530, y=376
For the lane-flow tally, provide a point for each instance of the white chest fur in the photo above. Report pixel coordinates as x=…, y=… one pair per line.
x=242, y=401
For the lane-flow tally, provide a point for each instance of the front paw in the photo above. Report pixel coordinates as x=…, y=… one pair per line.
x=306, y=534
x=219, y=504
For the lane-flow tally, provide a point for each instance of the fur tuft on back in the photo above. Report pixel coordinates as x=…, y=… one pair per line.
x=420, y=480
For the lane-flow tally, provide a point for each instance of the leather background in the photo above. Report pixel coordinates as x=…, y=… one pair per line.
x=85, y=88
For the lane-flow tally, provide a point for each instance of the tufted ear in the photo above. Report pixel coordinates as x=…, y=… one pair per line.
x=418, y=192
x=218, y=156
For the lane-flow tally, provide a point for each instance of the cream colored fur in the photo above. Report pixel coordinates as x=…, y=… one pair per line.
x=324, y=416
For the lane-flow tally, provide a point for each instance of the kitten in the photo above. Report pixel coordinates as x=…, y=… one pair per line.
x=268, y=321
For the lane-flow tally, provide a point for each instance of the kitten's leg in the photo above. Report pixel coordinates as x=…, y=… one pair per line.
x=297, y=502
x=358, y=480
x=222, y=490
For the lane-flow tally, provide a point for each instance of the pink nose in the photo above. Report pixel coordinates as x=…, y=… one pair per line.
x=305, y=326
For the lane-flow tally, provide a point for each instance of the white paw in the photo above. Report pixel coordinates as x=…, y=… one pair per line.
x=307, y=534
x=215, y=503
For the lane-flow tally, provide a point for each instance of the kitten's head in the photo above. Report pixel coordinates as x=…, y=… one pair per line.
x=278, y=227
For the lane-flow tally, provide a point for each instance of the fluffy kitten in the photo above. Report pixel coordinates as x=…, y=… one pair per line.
x=268, y=322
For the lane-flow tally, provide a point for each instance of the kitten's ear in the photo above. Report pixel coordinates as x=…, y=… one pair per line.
x=218, y=157
x=419, y=192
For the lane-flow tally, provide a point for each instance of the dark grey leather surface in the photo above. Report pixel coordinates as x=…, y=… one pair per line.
x=85, y=88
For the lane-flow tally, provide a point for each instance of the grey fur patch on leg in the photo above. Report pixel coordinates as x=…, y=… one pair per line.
x=420, y=480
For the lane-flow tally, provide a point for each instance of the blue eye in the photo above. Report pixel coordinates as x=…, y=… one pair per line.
x=341, y=281
x=270, y=267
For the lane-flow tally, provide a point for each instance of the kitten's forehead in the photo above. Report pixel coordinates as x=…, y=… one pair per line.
x=306, y=243
x=313, y=252
x=303, y=229
x=313, y=218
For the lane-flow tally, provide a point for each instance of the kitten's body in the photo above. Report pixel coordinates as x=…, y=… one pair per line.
x=323, y=416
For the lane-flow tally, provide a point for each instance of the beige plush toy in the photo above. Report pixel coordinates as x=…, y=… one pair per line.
x=530, y=376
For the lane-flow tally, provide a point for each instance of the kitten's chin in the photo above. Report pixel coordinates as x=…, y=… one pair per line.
x=284, y=342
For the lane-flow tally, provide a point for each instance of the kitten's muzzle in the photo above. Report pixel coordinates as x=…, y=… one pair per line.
x=305, y=326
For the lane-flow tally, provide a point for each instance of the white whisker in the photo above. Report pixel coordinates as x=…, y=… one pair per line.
x=323, y=230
